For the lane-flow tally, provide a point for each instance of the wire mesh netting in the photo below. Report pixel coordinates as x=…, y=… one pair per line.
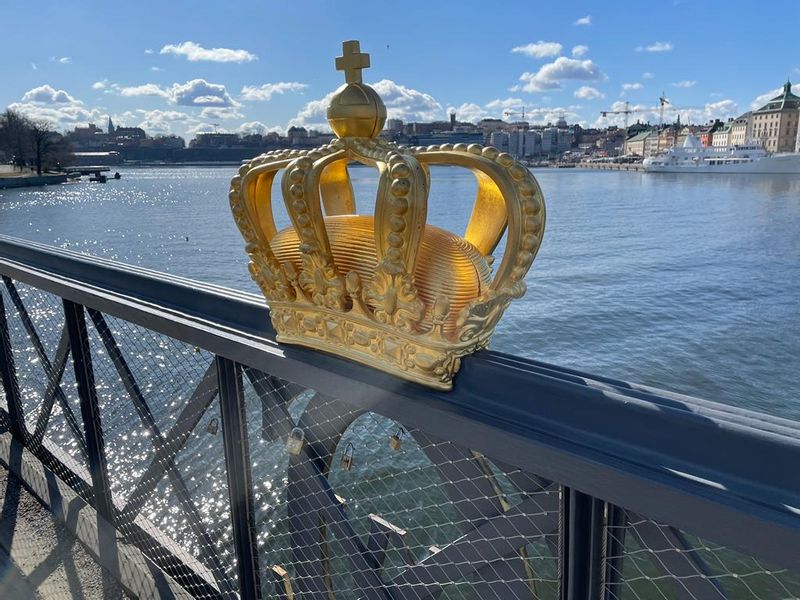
x=655, y=560
x=46, y=380
x=166, y=463
x=347, y=503
x=357, y=501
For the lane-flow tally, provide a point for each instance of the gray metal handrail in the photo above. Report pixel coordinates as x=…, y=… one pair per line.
x=721, y=472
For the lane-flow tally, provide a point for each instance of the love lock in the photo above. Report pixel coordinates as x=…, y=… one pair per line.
x=295, y=441
x=347, y=457
x=396, y=439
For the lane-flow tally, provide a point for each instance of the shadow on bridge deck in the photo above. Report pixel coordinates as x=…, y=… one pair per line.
x=39, y=558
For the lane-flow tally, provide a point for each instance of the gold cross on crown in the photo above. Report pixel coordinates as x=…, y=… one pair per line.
x=352, y=61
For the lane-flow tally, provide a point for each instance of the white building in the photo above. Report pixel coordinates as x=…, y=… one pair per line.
x=499, y=139
x=722, y=137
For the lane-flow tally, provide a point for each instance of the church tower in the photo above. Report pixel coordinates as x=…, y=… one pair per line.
x=110, y=127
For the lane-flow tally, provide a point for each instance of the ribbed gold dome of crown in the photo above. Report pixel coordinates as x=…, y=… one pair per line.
x=356, y=110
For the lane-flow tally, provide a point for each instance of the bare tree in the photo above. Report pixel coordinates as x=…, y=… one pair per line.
x=42, y=140
x=15, y=135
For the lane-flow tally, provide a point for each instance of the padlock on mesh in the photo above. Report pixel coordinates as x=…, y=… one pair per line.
x=295, y=441
x=396, y=439
x=347, y=457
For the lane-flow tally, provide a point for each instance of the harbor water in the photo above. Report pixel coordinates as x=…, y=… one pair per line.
x=690, y=283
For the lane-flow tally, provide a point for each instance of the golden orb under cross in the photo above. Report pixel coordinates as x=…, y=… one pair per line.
x=356, y=110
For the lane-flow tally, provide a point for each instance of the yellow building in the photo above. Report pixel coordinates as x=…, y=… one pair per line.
x=775, y=123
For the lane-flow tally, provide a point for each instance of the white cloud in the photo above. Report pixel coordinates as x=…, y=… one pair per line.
x=100, y=85
x=34, y=67
x=197, y=92
x=535, y=116
x=267, y=90
x=627, y=87
x=686, y=83
x=587, y=20
x=407, y=103
x=259, y=128
x=60, y=116
x=656, y=47
x=579, y=50
x=504, y=104
x=586, y=92
x=156, y=69
x=63, y=60
x=194, y=52
x=161, y=121
x=468, y=111
x=539, y=50
x=46, y=94
x=218, y=114
x=149, y=51
x=550, y=76
x=401, y=103
x=647, y=75
x=147, y=89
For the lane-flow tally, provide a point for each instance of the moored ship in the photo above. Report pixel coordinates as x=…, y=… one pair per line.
x=693, y=157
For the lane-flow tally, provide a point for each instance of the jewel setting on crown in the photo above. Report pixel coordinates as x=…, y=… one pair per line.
x=387, y=290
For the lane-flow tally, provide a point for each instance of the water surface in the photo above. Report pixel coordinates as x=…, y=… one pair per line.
x=685, y=282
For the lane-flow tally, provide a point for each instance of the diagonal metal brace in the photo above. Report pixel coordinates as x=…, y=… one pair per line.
x=69, y=415
x=190, y=416
x=148, y=421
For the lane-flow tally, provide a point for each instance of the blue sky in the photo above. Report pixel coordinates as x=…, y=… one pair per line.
x=181, y=67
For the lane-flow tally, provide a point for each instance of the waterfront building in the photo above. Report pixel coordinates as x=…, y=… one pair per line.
x=706, y=134
x=721, y=137
x=549, y=140
x=394, y=125
x=532, y=143
x=775, y=123
x=797, y=141
x=636, y=144
x=499, y=139
x=740, y=130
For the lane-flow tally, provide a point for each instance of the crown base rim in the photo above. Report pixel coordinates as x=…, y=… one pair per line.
x=429, y=362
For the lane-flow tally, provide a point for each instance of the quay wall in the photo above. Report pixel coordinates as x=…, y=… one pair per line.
x=36, y=180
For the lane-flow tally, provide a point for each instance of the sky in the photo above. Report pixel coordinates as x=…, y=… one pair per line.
x=188, y=67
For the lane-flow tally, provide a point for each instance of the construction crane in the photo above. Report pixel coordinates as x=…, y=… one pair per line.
x=513, y=113
x=662, y=102
x=626, y=111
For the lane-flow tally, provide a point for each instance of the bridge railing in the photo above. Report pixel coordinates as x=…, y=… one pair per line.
x=239, y=467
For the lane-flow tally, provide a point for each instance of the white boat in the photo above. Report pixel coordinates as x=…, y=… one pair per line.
x=693, y=157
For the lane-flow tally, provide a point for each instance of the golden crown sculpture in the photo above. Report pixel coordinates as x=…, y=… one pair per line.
x=388, y=290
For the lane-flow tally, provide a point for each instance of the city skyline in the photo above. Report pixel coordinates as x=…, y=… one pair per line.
x=169, y=71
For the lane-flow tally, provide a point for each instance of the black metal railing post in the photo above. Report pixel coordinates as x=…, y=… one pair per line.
x=581, y=546
x=8, y=374
x=90, y=410
x=237, y=466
